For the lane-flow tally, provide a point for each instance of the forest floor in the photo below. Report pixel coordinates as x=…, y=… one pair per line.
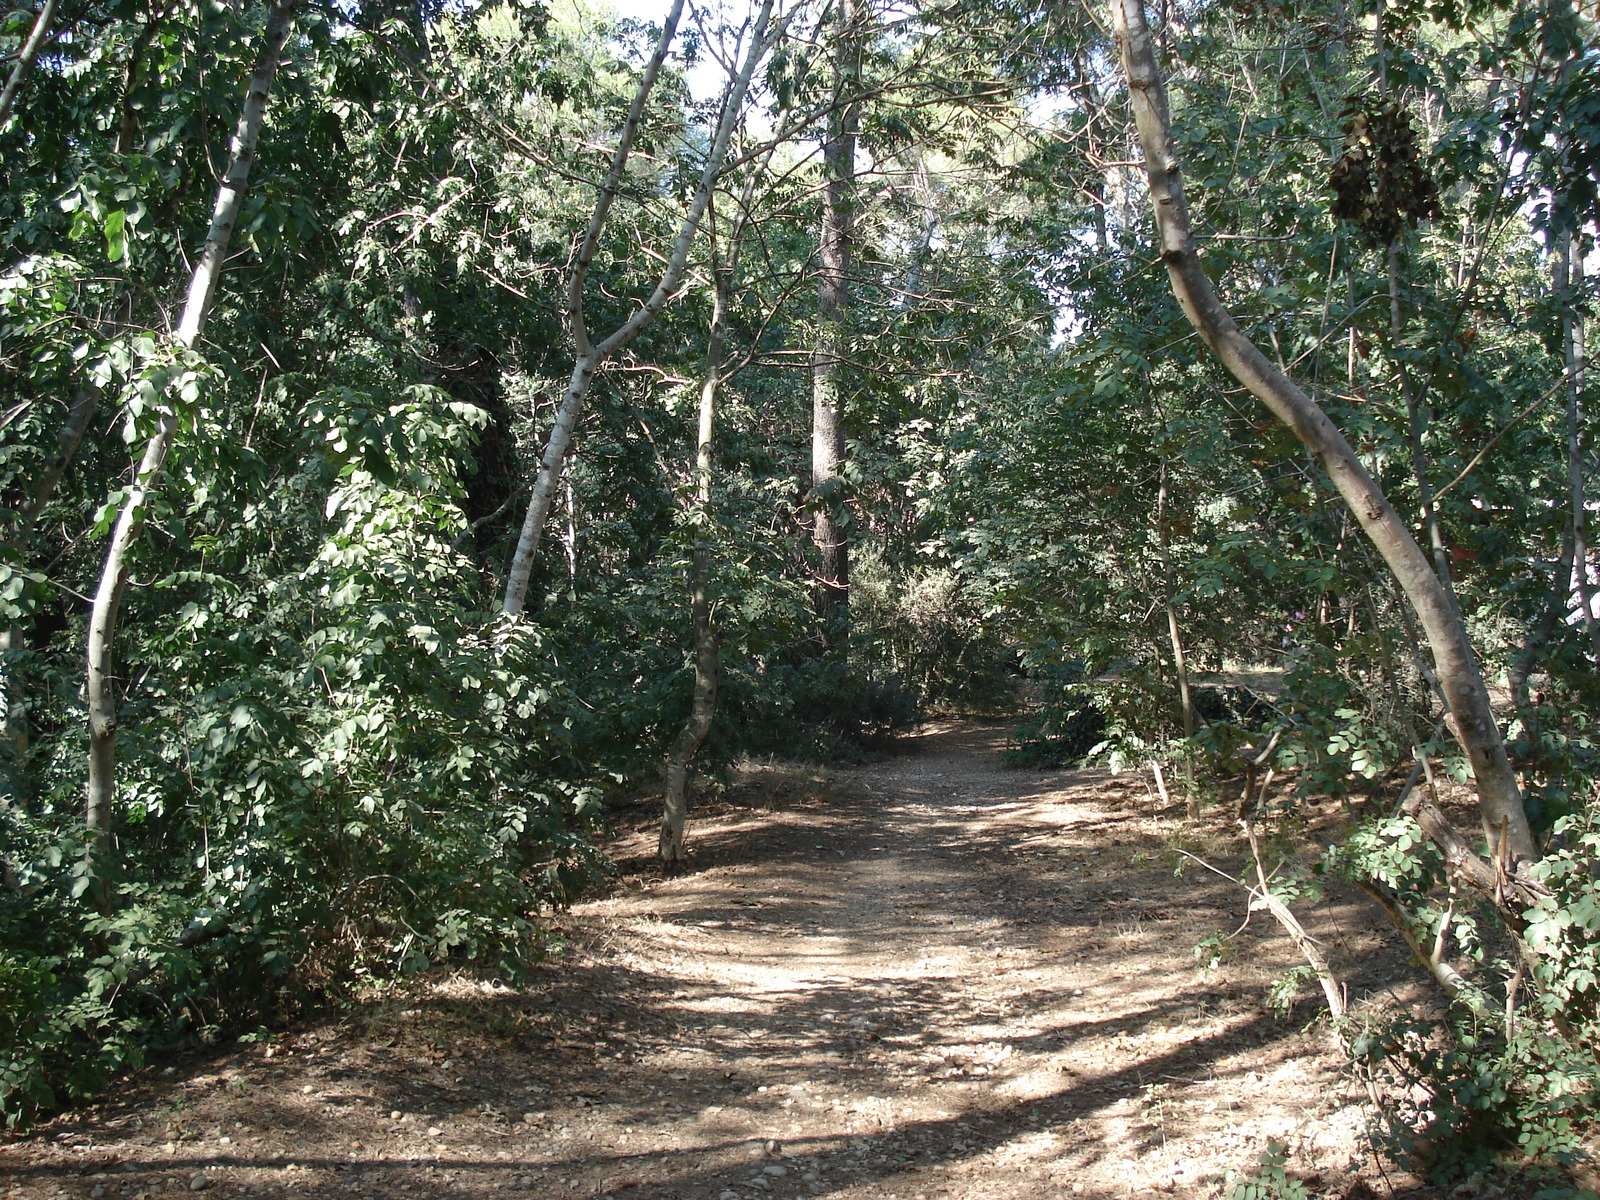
x=926, y=978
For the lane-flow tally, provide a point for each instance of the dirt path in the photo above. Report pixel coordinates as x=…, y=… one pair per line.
x=929, y=979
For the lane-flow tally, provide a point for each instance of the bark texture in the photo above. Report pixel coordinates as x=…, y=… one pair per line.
x=1471, y=718
x=834, y=245
x=102, y=698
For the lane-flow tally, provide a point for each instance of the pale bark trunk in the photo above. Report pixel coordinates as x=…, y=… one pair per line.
x=833, y=298
x=26, y=57
x=1332, y=989
x=1472, y=718
x=16, y=725
x=703, y=705
x=102, y=700
x=591, y=356
x=1568, y=270
x=1180, y=661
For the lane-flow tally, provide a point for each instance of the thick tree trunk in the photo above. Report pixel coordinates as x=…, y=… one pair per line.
x=102, y=699
x=26, y=57
x=833, y=272
x=1472, y=719
x=591, y=356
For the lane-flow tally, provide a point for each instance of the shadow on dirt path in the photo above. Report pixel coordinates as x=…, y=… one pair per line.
x=928, y=977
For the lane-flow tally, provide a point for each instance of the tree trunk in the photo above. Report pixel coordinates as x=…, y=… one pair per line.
x=591, y=356
x=26, y=57
x=102, y=700
x=833, y=271
x=1180, y=661
x=703, y=706
x=1505, y=823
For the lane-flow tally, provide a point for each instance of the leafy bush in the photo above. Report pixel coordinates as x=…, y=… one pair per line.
x=1270, y=1180
x=1068, y=725
x=1483, y=1088
x=920, y=626
x=332, y=772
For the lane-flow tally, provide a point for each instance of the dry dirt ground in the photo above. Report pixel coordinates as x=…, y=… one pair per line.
x=929, y=978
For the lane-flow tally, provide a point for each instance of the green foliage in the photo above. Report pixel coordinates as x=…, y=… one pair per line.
x=925, y=629
x=1270, y=1180
x=1213, y=950
x=1288, y=988
x=1067, y=726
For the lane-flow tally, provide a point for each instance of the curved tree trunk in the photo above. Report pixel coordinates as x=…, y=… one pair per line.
x=102, y=699
x=26, y=57
x=1471, y=717
x=591, y=356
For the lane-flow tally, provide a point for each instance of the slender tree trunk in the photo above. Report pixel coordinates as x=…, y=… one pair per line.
x=68, y=440
x=102, y=699
x=1568, y=270
x=1180, y=662
x=703, y=705
x=128, y=123
x=591, y=356
x=833, y=299
x=15, y=721
x=26, y=57
x=1472, y=718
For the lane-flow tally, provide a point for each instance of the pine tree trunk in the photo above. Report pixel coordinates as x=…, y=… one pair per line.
x=1472, y=721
